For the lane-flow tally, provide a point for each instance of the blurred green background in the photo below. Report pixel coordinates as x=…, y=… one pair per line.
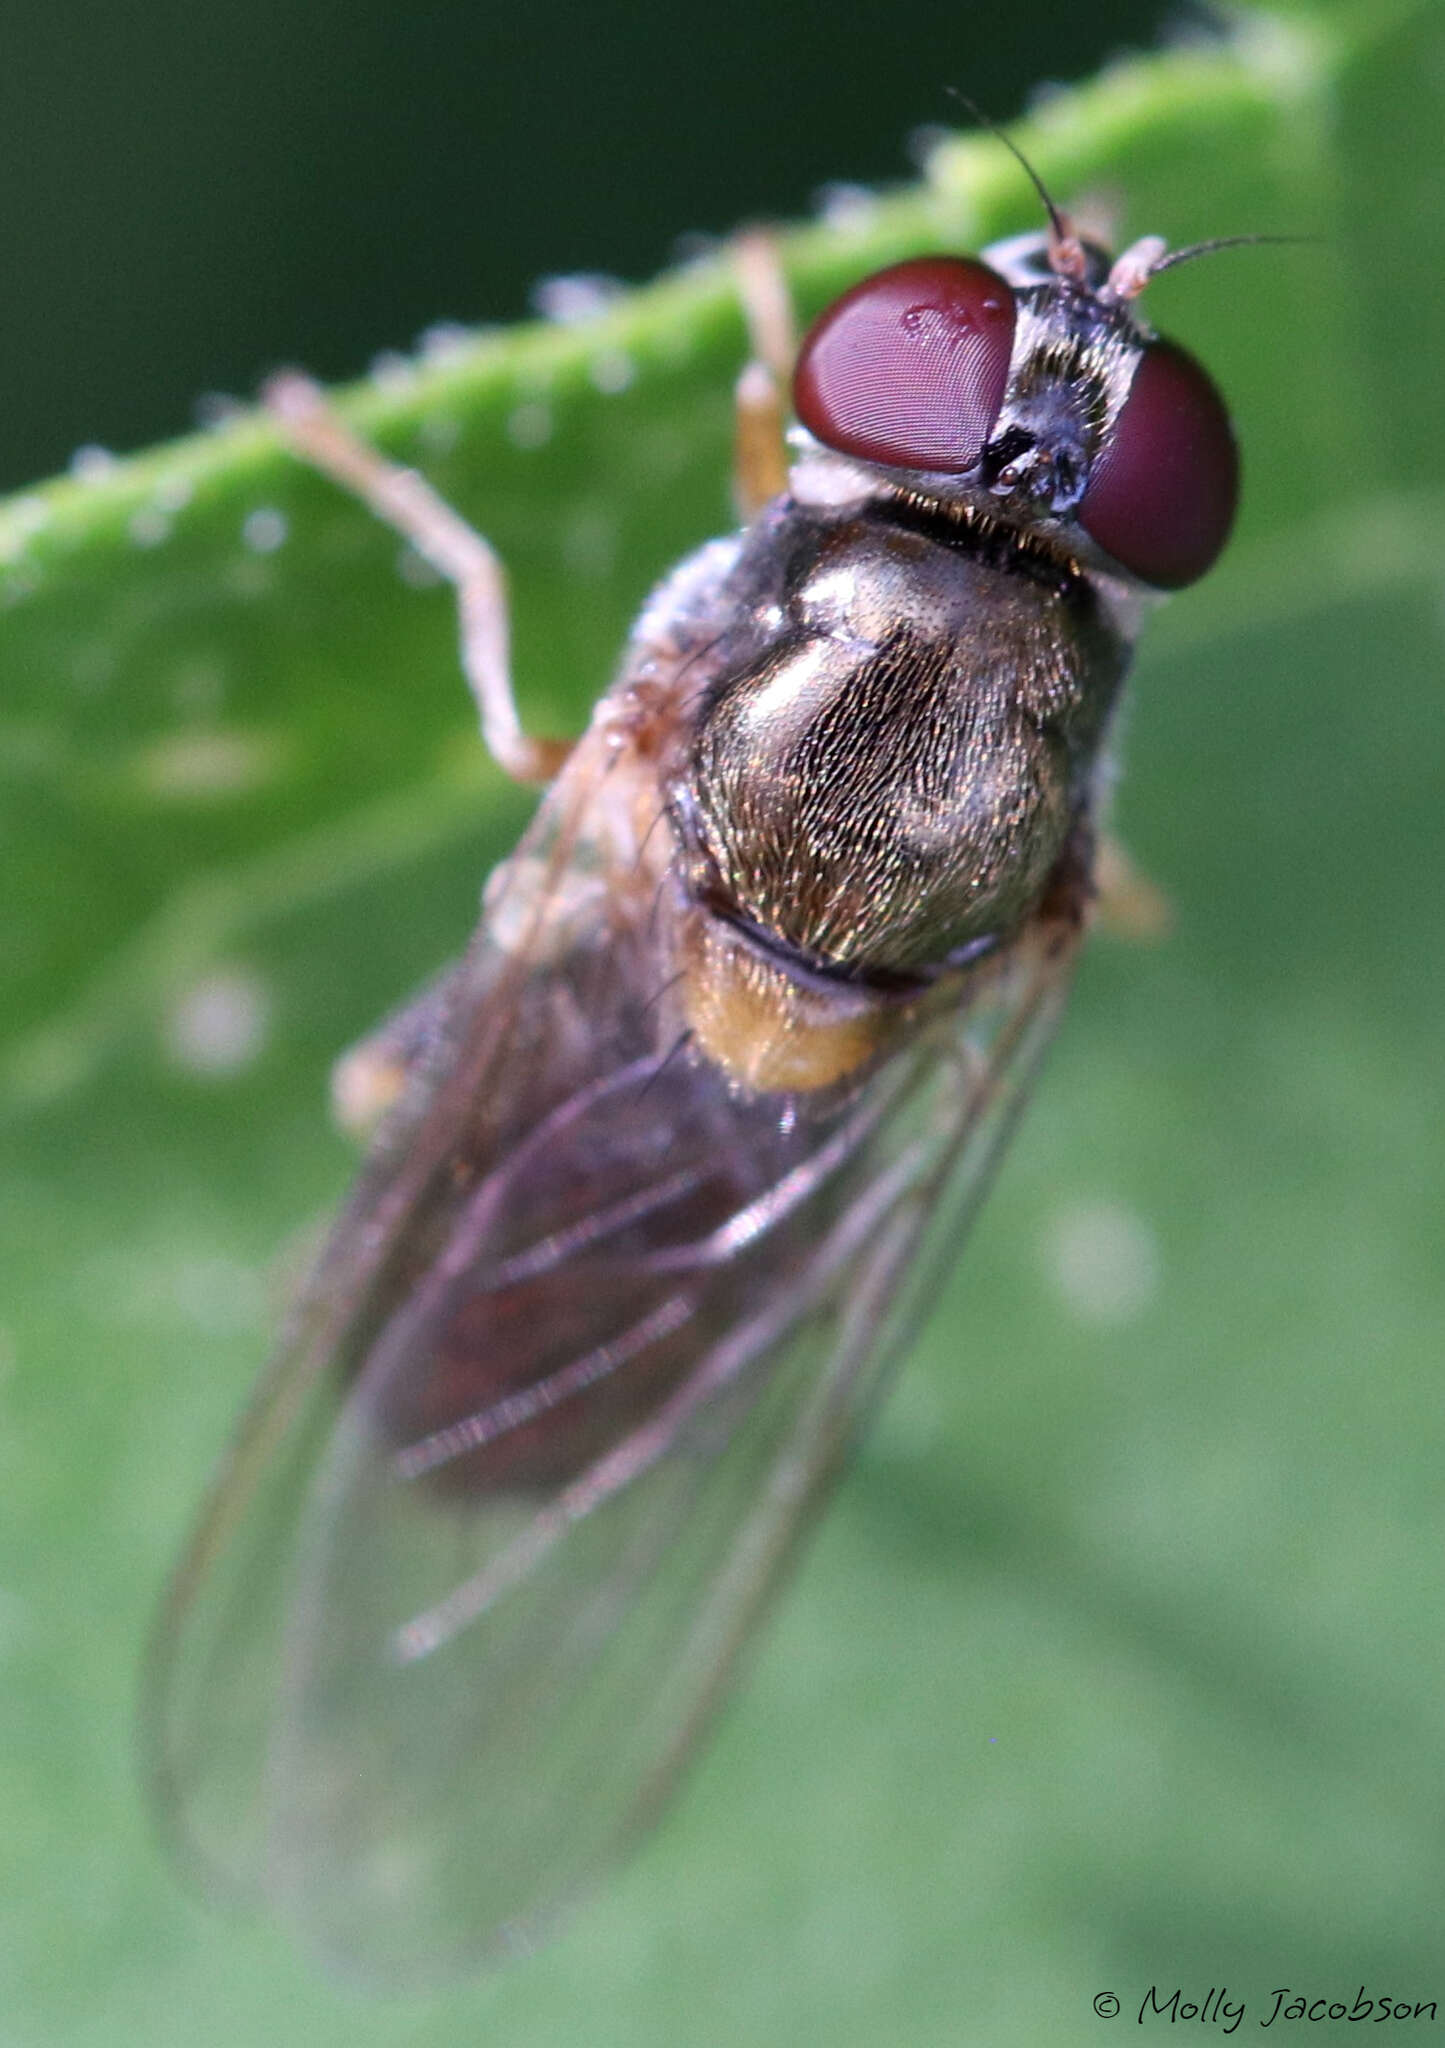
x=1118, y=1662
x=195, y=194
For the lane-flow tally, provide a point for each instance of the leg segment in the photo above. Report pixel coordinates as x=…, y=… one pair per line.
x=408, y=504
x=760, y=457
x=1127, y=903
x=370, y=1076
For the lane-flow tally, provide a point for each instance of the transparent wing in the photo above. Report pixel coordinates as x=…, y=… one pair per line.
x=588, y=1345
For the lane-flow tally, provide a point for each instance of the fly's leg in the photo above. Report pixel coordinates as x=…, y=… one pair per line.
x=1094, y=880
x=760, y=455
x=1126, y=903
x=408, y=504
x=370, y=1076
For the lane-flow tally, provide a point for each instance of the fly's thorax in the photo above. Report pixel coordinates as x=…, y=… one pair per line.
x=886, y=783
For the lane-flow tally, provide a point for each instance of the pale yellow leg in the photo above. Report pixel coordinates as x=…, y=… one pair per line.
x=1127, y=905
x=409, y=505
x=760, y=454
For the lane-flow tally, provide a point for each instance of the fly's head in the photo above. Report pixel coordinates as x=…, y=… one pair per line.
x=1024, y=387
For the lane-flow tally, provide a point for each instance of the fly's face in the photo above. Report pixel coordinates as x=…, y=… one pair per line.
x=673, y=1151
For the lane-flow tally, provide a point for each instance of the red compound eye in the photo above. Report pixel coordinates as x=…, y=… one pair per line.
x=909, y=367
x=1163, y=490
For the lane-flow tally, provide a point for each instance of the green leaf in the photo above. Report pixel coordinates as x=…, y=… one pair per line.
x=1118, y=1662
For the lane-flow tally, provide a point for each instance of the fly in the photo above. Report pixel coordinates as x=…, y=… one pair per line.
x=669, y=1159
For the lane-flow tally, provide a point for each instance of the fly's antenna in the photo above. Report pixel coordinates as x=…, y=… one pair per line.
x=1178, y=256
x=1135, y=266
x=1066, y=253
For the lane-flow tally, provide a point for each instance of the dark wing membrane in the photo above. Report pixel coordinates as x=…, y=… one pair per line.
x=512, y=1503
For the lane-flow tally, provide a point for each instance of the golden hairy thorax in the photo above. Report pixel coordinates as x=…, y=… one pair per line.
x=892, y=776
x=856, y=746
x=876, y=789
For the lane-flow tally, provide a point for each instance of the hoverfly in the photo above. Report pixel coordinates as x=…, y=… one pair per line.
x=676, y=1148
